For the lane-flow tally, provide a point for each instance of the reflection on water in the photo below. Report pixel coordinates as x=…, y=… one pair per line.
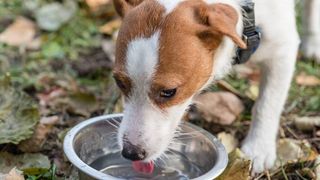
x=176, y=167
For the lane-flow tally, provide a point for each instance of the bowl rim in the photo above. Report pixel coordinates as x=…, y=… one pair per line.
x=221, y=161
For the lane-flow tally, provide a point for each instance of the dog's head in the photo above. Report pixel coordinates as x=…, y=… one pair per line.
x=164, y=55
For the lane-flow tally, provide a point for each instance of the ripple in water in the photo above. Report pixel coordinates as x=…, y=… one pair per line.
x=176, y=167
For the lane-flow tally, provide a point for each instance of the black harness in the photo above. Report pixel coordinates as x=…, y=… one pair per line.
x=251, y=34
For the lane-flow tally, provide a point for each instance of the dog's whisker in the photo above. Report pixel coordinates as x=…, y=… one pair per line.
x=113, y=125
x=178, y=143
x=115, y=121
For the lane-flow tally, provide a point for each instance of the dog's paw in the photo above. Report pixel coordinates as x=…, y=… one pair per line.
x=261, y=152
x=311, y=48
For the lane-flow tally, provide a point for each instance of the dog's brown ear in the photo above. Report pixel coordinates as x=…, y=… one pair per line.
x=123, y=6
x=220, y=19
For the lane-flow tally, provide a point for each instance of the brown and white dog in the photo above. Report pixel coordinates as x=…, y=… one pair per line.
x=169, y=50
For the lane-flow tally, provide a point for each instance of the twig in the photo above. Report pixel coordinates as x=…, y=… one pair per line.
x=297, y=172
x=291, y=132
x=260, y=176
x=268, y=175
x=227, y=87
x=283, y=172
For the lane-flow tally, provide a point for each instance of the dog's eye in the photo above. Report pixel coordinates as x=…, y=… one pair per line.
x=168, y=93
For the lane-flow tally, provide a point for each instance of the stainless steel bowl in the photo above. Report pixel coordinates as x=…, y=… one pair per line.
x=95, y=138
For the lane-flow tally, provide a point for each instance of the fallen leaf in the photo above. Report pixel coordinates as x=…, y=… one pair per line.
x=19, y=33
x=94, y=5
x=238, y=168
x=307, y=123
x=14, y=174
x=228, y=140
x=292, y=151
x=219, y=107
x=253, y=91
x=51, y=120
x=308, y=173
x=81, y=103
x=31, y=5
x=288, y=150
x=317, y=167
x=23, y=162
x=110, y=27
x=46, y=98
x=35, y=44
x=95, y=61
x=52, y=16
x=307, y=80
x=18, y=114
x=35, y=143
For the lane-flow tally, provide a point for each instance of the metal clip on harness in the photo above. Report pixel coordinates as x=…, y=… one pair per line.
x=251, y=34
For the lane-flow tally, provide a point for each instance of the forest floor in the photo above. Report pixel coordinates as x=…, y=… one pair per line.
x=58, y=74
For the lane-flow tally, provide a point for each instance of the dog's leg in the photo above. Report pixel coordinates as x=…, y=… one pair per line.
x=277, y=72
x=311, y=32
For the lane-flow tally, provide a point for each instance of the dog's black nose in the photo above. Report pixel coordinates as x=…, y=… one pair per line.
x=132, y=152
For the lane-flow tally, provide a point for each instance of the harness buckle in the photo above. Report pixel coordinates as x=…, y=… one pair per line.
x=252, y=41
x=251, y=34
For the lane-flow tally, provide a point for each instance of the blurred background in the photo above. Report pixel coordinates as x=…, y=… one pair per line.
x=56, y=58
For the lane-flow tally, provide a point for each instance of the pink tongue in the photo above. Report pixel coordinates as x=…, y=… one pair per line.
x=143, y=167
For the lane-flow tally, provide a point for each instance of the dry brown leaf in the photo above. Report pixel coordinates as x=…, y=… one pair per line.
x=228, y=140
x=110, y=27
x=35, y=143
x=307, y=80
x=14, y=174
x=46, y=98
x=94, y=5
x=238, y=168
x=292, y=151
x=306, y=123
x=219, y=107
x=20, y=33
x=51, y=120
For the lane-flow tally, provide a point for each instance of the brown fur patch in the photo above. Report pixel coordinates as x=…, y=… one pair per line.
x=140, y=22
x=124, y=6
x=185, y=61
x=189, y=36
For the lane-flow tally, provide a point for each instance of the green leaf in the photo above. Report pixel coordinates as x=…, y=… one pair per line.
x=53, y=50
x=26, y=162
x=18, y=114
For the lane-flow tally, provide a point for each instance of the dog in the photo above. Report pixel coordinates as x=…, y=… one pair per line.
x=167, y=51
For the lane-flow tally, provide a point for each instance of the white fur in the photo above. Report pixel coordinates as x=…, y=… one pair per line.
x=142, y=58
x=277, y=55
x=145, y=124
x=311, y=29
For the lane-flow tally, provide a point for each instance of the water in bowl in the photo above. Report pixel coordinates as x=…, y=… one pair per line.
x=176, y=166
